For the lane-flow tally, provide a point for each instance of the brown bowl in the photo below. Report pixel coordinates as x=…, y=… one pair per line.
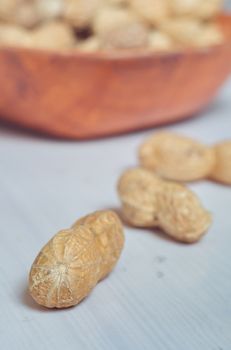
x=80, y=96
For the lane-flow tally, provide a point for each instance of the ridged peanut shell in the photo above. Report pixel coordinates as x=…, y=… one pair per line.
x=148, y=201
x=176, y=157
x=181, y=213
x=74, y=260
x=137, y=190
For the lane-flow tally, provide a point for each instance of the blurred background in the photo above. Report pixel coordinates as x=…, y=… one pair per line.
x=162, y=295
x=228, y=4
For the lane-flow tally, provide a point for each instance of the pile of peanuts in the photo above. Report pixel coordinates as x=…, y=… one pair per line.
x=71, y=264
x=92, y=25
x=152, y=196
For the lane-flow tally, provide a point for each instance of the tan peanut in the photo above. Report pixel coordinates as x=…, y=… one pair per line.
x=88, y=45
x=176, y=157
x=151, y=11
x=222, y=169
x=127, y=36
x=11, y=35
x=111, y=17
x=75, y=260
x=80, y=13
x=148, y=201
x=54, y=35
x=195, y=8
x=159, y=41
x=192, y=32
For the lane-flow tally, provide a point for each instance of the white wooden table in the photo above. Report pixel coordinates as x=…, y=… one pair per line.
x=162, y=295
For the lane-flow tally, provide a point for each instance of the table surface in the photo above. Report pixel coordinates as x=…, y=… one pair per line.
x=162, y=295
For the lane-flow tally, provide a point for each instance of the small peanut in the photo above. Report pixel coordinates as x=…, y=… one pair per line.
x=152, y=12
x=53, y=35
x=191, y=32
x=127, y=36
x=222, y=169
x=75, y=260
x=160, y=42
x=49, y=9
x=176, y=157
x=148, y=201
x=111, y=17
x=211, y=35
x=12, y=35
x=89, y=45
x=80, y=13
x=195, y=8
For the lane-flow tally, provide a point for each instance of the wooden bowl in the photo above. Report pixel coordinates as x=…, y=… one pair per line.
x=80, y=96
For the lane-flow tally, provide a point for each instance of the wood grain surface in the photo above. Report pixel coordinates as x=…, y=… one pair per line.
x=83, y=95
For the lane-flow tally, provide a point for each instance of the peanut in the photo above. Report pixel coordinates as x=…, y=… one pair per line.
x=11, y=35
x=176, y=157
x=49, y=9
x=111, y=18
x=80, y=13
x=25, y=15
x=190, y=32
x=88, y=45
x=159, y=41
x=130, y=35
x=53, y=35
x=75, y=260
x=208, y=9
x=151, y=11
x=211, y=35
x=148, y=201
x=222, y=169
x=195, y=8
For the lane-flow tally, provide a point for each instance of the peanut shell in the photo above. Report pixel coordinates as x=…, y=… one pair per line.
x=148, y=201
x=222, y=169
x=176, y=157
x=75, y=260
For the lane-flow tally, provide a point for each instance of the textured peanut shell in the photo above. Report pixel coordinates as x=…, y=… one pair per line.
x=148, y=201
x=181, y=214
x=222, y=169
x=177, y=158
x=75, y=260
x=137, y=190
